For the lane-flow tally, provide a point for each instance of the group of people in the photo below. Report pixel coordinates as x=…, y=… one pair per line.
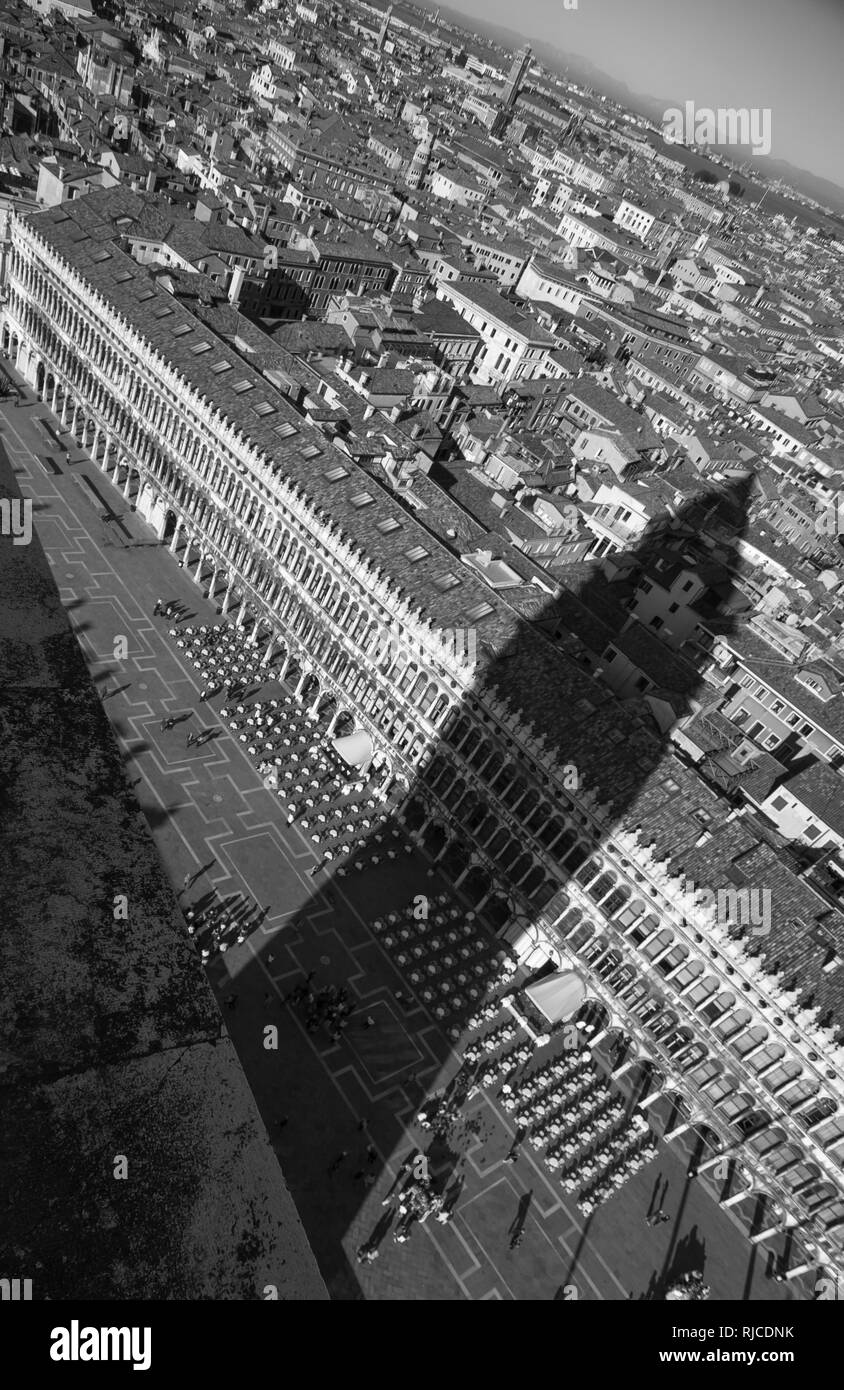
x=418, y=1200
x=168, y=609
x=219, y=925
x=196, y=739
x=330, y=1006
x=442, y=1111
x=689, y=1288
x=419, y=1197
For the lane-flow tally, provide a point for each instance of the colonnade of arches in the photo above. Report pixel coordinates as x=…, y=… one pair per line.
x=299, y=606
x=409, y=706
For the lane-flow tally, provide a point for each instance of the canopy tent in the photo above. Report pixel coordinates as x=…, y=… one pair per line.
x=355, y=749
x=558, y=996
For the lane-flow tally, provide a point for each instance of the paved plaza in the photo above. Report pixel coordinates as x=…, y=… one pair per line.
x=209, y=811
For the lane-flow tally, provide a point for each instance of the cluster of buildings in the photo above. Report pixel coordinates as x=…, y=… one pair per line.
x=394, y=325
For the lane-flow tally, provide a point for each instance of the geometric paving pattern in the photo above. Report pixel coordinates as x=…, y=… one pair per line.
x=207, y=807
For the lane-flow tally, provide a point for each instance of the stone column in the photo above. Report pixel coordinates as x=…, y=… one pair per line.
x=736, y=1197
x=678, y=1130
x=805, y=1268
x=726, y=1157
x=655, y=1096
x=787, y=1224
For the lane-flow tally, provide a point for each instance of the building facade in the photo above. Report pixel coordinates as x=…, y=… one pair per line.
x=316, y=569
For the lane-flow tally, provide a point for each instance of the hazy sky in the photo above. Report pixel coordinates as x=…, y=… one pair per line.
x=783, y=54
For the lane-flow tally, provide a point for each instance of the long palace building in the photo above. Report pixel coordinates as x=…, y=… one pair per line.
x=178, y=402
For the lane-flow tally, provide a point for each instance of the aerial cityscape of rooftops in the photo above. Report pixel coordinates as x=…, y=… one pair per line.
x=423, y=675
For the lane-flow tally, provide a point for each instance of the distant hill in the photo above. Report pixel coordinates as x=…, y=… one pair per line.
x=585, y=73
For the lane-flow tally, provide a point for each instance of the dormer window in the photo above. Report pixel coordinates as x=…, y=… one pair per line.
x=814, y=683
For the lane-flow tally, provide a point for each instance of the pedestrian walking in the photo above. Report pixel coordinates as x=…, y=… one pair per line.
x=368, y=1022
x=157, y=609
x=371, y=1154
x=335, y=1162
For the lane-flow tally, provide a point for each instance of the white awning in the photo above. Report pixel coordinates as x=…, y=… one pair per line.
x=558, y=996
x=355, y=749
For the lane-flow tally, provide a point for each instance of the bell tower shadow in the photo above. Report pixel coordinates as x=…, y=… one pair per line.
x=402, y=1034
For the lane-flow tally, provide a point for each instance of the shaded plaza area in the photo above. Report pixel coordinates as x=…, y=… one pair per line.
x=124, y=1108
x=325, y=1101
